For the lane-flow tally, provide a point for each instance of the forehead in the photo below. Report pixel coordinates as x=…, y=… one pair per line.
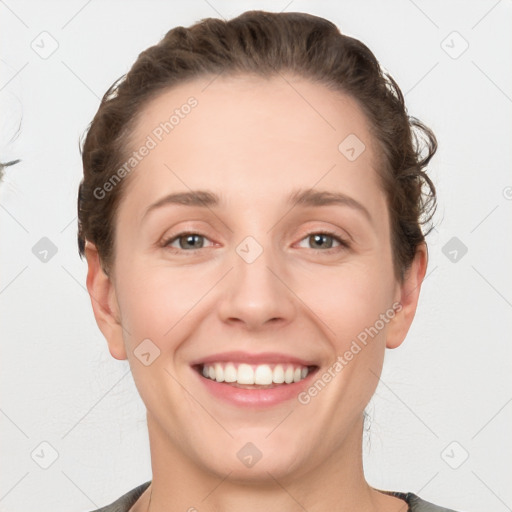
x=254, y=136
x=282, y=107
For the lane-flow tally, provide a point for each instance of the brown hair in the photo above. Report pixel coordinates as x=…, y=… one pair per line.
x=264, y=44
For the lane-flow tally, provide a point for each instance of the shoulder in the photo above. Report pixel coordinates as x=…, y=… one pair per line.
x=126, y=501
x=416, y=504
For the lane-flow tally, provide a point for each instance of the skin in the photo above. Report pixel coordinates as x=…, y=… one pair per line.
x=252, y=141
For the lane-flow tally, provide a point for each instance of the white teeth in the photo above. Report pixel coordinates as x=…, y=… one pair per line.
x=230, y=373
x=278, y=374
x=219, y=373
x=261, y=375
x=245, y=374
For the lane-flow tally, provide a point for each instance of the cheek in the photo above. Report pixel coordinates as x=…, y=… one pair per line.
x=350, y=299
x=157, y=305
x=157, y=302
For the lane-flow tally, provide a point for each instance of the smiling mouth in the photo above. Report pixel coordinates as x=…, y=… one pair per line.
x=251, y=376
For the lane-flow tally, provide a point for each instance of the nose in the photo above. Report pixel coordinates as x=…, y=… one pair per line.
x=257, y=293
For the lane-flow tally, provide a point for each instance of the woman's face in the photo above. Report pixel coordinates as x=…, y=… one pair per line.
x=286, y=274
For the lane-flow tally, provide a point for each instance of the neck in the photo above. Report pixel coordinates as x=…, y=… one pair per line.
x=337, y=483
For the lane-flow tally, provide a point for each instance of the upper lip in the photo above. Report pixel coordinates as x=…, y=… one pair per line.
x=253, y=358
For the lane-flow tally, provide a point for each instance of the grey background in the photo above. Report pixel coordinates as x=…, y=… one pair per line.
x=445, y=394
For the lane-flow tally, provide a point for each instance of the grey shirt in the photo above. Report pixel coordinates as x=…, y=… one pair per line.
x=415, y=503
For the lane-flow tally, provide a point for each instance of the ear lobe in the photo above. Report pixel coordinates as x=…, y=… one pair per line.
x=408, y=296
x=104, y=303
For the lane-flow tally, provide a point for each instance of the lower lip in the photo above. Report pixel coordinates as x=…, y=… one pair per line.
x=258, y=397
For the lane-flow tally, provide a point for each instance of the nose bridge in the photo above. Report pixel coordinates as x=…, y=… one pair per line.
x=256, y=294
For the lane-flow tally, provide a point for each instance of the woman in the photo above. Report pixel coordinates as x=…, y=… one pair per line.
x=251, y=213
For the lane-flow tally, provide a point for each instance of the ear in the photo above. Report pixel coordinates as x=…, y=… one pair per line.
x=104, y=303
x=407, y=296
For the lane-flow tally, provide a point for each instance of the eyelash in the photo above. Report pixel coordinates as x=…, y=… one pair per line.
x=343, y=243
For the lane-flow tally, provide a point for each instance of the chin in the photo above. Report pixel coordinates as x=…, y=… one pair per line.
x=256, y=462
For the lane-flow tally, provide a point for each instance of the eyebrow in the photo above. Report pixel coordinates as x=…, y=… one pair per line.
x=300, y=197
